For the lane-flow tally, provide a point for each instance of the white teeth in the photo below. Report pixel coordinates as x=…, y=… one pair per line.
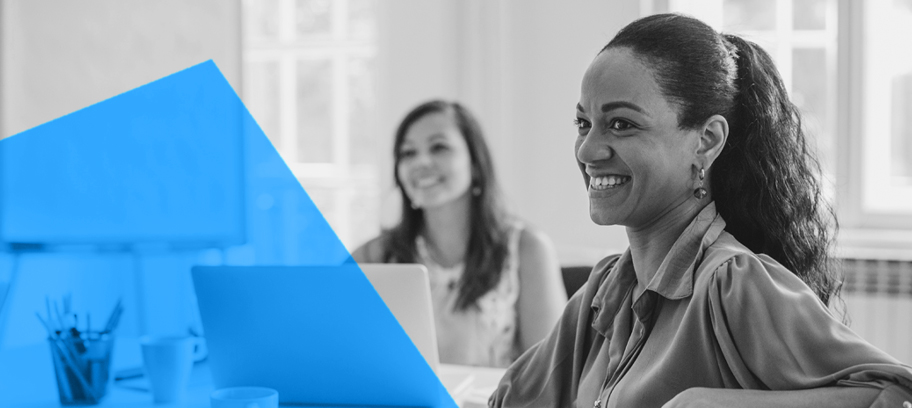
x=426, y=182
x=606, y=182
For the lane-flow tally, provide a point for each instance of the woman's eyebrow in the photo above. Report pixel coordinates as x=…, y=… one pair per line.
x=610, y=106
x=437, y=137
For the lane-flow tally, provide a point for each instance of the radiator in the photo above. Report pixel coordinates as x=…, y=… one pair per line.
x=878, y=302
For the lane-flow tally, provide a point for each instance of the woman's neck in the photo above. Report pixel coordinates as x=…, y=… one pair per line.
x=446, y=231
x=650, y=244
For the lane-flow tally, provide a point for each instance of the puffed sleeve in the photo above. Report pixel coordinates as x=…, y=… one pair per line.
x=548, y=373
x=776, y=334
x=541, y=376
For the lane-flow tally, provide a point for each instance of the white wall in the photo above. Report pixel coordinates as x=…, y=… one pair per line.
x=518, y=65
x=60, y=56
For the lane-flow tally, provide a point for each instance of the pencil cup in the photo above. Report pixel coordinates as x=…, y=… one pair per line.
x=81, y=366
x=167, y=362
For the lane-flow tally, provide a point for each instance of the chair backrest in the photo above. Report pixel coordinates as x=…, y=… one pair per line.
x=575, y=277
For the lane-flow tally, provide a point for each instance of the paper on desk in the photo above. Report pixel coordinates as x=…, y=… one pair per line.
x=477, y=397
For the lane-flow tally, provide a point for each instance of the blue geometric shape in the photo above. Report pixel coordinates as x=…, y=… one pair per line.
x=362, y=352
x=162, y=163
x=176, y=162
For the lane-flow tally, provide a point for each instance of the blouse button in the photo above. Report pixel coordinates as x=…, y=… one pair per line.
x=907, y=404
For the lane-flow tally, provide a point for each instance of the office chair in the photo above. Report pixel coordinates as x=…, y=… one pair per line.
x=575, y=277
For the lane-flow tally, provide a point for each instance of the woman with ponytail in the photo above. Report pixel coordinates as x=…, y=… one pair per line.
x=687, y=138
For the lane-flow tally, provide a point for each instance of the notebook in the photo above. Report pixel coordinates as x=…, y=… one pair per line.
x=321, y=334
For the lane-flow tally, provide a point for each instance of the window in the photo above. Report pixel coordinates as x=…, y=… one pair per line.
x=309, y=83
x=843, y=66
x=886, y=109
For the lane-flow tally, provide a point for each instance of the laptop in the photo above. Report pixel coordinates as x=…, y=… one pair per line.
x=322, y=334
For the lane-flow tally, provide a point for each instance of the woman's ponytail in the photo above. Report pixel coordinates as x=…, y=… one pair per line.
x=766, y=181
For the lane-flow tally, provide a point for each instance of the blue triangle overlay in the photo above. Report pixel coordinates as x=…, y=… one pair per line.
x=175, y=162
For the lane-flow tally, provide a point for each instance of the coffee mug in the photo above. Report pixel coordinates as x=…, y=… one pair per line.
x=244, y=397
x=167, y=361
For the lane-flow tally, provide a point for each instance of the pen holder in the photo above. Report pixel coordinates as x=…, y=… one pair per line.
x=81, y=366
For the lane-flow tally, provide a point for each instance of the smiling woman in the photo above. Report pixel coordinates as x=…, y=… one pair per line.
x=687, y=138
x=641, y=174
x=495, y=283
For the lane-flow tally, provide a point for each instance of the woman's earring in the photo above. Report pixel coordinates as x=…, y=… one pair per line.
x=413, y=205
x=700, y=192
x=476, y=191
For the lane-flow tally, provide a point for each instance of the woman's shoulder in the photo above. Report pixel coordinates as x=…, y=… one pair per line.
x=535, y=252
x=531, y=239
x=532, y=244
x=732, y=269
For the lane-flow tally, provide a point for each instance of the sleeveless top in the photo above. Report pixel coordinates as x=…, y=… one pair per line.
x=482, y=336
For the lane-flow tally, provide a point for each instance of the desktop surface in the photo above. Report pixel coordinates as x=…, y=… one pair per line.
x=27, y=381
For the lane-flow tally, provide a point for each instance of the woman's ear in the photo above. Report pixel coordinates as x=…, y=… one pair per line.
x=712, y=139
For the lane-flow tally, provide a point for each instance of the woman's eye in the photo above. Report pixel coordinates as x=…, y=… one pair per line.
x=581, y=124
x=405, y=154
x=437, y=148
x=620, y=124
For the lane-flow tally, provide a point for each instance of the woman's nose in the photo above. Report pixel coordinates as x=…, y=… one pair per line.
x=421, y=160
x=592, y=148
x=426, y=158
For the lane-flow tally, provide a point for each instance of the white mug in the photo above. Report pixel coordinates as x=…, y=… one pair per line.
x=167, y=361
x=244, y=397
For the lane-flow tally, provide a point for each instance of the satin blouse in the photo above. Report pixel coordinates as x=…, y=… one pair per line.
x=714, y=315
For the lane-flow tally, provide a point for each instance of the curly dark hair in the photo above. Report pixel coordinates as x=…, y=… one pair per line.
x=765, y=182
x=487, y=249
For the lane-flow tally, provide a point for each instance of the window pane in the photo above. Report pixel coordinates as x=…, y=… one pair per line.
x=749, y=15
x=901, y=141
x=261, y=19
x=362, y=126
x=901, y=96
x=809, y=14
x=903, y=6
x=887, y=29
x=810, y=94
x=261, y=96
x=313, y=18
x=314, y=111
x=362, y=23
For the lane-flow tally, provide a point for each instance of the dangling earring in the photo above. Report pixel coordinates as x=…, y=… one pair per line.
x=476, y=191
x=700, y=192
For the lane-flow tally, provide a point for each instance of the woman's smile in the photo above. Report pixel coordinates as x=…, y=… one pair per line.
x=608, y=182
x=426, y=182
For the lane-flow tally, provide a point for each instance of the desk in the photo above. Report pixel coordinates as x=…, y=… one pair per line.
x=27, y=380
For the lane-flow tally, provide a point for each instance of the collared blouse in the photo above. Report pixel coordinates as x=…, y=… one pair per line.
x=714, y=315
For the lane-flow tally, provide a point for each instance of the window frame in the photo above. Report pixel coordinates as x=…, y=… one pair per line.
x=863, y=233
x=339, y=175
